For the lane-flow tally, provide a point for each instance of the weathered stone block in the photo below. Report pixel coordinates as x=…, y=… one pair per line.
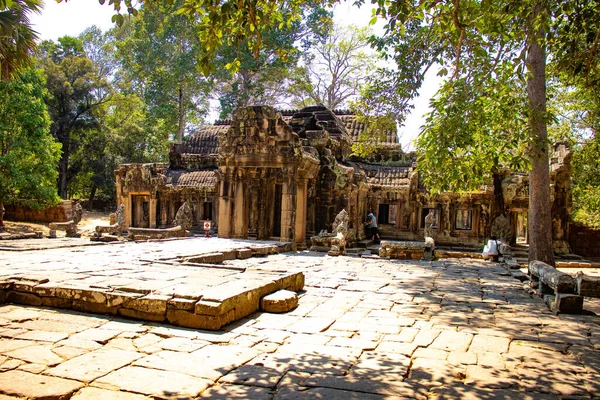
x=2, y=296
x=127, y=312
x=209, y=307
x=23, y=298
x=229, y=254
x=95, y=308
x=55, y=302
x=294, y=282
x=402, y=250
x=181, y=304
x=587, y=286
x=567, y=303
x=191, y=320
x=151, y=304
x=117, y=298
x=243, y=254
x=210, y=258
x=83, y=294
x=279, y=302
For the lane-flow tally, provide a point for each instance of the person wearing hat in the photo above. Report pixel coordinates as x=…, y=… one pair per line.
x=371, y=225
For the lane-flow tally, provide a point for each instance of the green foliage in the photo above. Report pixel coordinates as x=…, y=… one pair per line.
x=75, y=90
x=474, y=128
x=159, y=50
x=17, y=38
x=28, y=153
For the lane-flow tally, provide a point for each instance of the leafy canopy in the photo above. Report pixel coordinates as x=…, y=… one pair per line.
x=28, y=152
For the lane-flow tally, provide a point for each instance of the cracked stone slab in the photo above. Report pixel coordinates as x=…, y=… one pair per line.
x=32, y=386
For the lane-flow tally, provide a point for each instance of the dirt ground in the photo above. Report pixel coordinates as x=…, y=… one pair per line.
x=89, y=221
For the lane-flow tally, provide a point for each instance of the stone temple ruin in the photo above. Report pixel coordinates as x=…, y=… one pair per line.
x=287, y=175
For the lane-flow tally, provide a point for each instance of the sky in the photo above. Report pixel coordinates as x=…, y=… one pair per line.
x=73, y=17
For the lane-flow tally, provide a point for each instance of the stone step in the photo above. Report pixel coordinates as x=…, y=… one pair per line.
x=364, y=243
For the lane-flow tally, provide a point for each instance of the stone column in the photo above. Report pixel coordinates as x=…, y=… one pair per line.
x=163, y=212
x=288, y=211
x=225, y=207
x=128, y=207
x=240, y=211
x=301, y=214
x=152, y=212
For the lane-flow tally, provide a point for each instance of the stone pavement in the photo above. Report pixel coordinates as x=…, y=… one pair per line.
x=364, y=329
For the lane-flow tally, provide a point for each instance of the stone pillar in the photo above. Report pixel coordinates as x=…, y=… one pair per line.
x=128, y=209
x=152, y=212
x=301, y=214
x=225, y=207
x=240, y=211
x=163, y=212
x=253, y=209
x=288, y=211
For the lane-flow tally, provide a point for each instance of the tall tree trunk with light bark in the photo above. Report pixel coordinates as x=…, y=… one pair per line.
x=181, y=113
x=540, y=219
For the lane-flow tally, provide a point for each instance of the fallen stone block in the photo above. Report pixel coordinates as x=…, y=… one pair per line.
x=587, y=286
x=279, y=302
x=402, y=250
x=243, y=254
x=567, y=303
x=209, y=258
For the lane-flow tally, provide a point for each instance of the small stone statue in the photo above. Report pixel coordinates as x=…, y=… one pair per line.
x=340, y=230
x=184, y=217
x=429, y=220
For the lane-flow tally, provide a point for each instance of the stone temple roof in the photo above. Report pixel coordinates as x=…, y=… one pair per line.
x=206, y=179
x=205, y=141
x=355, y=128
x=386, y=176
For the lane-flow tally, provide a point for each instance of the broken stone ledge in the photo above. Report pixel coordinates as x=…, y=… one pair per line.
x=210, y=309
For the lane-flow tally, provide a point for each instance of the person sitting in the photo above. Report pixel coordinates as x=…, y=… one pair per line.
x=490, y=250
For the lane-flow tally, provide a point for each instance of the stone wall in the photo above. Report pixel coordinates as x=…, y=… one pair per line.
x=584, y=240
x=58, y=213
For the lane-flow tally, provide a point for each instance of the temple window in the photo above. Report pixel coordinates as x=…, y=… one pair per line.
x=464, y=220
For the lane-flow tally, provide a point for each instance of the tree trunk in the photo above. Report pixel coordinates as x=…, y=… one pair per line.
x=540, y=218
x=1, y=216
x=181, y=113
x=91, y=198
x=63, y=167
x=498, y=206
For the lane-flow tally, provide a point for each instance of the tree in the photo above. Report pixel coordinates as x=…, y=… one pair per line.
x=17, y=38
x=75, y=90
x=159, y=50
x=334, y=68
x=266, y=76
x=28, y=152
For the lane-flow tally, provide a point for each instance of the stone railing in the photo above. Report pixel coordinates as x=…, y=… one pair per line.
x=562, y=292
